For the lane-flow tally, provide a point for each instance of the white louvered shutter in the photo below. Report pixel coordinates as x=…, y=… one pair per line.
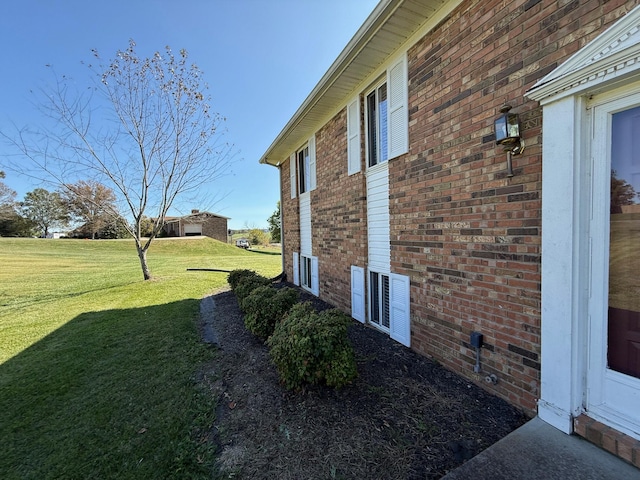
x=399, y=301
x=312, y=163
x=315, y=285
x=353, y=137
x=296, y=269
x=292, y=173
x=357, y=293
x=398, y=118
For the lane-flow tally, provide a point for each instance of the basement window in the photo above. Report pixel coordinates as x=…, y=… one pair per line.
x=379, y=300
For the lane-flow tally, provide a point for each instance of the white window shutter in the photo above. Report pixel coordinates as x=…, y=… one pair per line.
x=315, y=287
x=296, y=269
x=357, y=293
x=353, y=137
x=312, y=162
x=398, y=117
x=304, y=222
x=399, y=301
x=292, y=172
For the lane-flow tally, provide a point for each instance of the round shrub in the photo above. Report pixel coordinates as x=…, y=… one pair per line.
x=248, y=284
x=265, y=306
x=236, y=276
x=311, y=348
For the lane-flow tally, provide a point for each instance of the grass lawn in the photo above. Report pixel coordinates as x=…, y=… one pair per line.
x=97, y=367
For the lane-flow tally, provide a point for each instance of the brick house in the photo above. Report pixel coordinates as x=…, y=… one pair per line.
x=399, y=207
x=197, y=223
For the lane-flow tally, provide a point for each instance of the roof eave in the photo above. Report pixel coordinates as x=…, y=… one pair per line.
x=392, y=25
x=360, y=39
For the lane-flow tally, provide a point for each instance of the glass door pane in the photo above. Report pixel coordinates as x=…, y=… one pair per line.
x=623, y=339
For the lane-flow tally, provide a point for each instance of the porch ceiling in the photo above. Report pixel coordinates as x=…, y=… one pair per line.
x=389, y=26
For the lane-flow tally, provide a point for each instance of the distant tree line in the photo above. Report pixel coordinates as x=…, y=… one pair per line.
x=85, y=209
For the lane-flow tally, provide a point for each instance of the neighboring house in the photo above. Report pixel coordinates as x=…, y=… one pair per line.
x=197, y=223
x=398, y=206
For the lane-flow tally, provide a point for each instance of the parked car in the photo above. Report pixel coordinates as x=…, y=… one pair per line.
x=243, y=243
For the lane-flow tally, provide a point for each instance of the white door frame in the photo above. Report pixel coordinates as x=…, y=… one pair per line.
x=612, y=397
x=610, y=61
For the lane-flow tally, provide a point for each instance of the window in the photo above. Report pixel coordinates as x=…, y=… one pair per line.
x=305, y=271
x=389, y=305
x=379, y=298
x=377, y=132
x=304, y=170
x=386, y=119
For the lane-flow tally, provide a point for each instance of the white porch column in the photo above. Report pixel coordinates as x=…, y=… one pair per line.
x=563, y=260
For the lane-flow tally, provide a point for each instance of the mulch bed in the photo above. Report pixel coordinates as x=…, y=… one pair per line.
x=404, y=417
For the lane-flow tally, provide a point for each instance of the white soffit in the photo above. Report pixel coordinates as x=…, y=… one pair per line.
x=611, y=56
x=391, y=24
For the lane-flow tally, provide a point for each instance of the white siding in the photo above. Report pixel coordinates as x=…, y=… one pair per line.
x=305, y=225
x=353, y=136
x=398, y=118
x=378, y=218
x=357, y=293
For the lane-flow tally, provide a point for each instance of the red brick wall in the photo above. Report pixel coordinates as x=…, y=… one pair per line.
x=338, y=214
x=466, y=234
x=215, y=227
x=290, y=228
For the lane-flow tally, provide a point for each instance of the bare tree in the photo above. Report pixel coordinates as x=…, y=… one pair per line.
x=144, y=127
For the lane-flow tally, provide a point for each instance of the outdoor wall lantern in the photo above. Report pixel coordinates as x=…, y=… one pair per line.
x=507, y=130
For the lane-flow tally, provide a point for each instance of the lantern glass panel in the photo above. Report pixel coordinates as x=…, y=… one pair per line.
x=513, y=126
x=507, y=128
x=501, y=128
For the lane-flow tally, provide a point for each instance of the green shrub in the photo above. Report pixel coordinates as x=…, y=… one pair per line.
x=265, y=306
x=310, y=348
x=248, y=284
x=238, y=275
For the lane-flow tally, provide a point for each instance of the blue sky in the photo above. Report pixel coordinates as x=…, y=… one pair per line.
x=261, y=58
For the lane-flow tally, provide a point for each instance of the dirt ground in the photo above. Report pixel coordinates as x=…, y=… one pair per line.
x=404, y=417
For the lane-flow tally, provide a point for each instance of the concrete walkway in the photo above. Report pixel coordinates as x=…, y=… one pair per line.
x=538, y=451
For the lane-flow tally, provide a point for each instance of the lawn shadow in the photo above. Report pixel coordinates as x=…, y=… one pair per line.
x=110, y=394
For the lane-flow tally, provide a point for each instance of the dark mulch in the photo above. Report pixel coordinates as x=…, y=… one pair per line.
x=404, y=417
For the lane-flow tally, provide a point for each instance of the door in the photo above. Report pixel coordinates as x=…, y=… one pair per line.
x=192, y=229
x=614, y=310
